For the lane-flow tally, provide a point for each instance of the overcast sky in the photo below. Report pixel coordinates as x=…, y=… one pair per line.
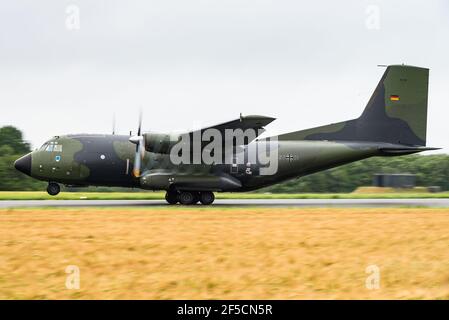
x=193, y=63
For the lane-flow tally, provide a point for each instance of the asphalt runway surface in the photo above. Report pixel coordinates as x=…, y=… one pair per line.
x=349, y=203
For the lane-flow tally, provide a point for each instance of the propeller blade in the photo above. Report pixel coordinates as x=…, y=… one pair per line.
x=140, y=123
x=137, y=163
x=142, y=146
x=113, y=123
x=139, y=141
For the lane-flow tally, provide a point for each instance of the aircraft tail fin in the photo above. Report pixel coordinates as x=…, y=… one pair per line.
x=396, y=112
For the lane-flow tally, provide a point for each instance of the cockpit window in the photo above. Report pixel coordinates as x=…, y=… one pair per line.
x=51, y=146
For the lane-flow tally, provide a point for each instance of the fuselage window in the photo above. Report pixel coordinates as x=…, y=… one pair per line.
x=57, y=148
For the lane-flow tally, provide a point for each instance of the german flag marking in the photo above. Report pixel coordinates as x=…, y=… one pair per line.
x=394, y=97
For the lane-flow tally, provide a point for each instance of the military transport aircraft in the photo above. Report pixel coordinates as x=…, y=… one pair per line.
x=393, y=124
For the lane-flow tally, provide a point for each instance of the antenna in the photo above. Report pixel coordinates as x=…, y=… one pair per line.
x=382, y=65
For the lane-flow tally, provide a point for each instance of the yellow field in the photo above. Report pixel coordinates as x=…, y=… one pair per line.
x=255, y=253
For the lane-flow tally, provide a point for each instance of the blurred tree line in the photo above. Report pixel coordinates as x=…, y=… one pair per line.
x=431, y=170
x=12, y=147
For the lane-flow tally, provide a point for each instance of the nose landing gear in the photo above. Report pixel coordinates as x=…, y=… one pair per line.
x=53, y=188
x=189, y=198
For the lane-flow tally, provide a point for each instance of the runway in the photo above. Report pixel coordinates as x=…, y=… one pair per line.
x=354, y=203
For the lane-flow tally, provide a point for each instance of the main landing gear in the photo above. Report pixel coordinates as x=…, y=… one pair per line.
x=53, y=188
x=189, y=197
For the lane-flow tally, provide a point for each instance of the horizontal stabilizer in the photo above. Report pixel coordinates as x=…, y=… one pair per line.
x=401, y=150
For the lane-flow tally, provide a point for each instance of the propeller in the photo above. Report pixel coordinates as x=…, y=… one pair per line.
x=113, y=124
x=139, y=141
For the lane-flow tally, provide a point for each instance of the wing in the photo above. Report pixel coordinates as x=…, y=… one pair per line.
x=246, y=127
x=235, y=133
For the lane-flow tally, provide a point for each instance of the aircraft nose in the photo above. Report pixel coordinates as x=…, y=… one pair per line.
x=24, y=164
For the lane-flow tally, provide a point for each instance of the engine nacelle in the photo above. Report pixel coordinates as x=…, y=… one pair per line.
x=160, y=142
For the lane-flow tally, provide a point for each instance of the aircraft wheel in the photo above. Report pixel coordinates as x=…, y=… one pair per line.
x=186, y=198
x=207, y=197
x=171, y=197
x=53, y=188
x=196, y=197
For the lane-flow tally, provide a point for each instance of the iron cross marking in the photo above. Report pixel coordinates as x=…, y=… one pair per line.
x=289, y=157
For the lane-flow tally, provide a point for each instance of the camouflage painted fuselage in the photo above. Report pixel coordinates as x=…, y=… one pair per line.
x=106, y=160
